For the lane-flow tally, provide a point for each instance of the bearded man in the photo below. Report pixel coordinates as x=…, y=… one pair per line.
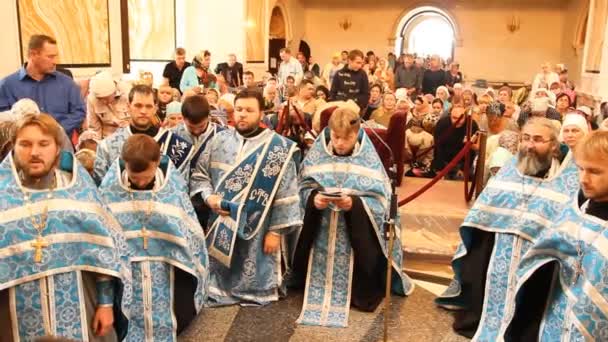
x=517, y=205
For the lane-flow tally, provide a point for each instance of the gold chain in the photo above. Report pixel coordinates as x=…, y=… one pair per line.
x=40, y=225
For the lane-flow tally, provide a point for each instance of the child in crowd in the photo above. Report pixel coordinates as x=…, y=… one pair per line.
x=174, y=115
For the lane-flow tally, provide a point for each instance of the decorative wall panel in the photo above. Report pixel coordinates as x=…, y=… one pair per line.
x=152, y=29
x=256, y=27
x=81, y=28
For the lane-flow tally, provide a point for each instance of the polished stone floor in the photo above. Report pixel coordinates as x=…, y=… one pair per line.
x=431, y=221
x=414, y=318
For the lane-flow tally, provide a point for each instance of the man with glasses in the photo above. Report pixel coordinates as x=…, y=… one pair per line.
x=516, y=206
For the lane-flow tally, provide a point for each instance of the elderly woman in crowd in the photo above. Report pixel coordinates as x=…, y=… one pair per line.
x=382, y=115
x=496, y=122
x=330, y=69
x=375, y=100
x=421, y=107
x=443, y=94
x=574, y=128
x=107, y=105
x=198, y=76
x=563, y=104
x=430, y=120
x=418, y=148
x=385, y=75
x=322, y=93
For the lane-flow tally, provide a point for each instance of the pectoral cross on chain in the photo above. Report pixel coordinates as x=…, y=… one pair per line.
x=578, y=265
x=144, y=235
x=39, y=244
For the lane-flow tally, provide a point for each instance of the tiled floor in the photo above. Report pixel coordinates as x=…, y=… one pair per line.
x=414, y=318
x=430, y=222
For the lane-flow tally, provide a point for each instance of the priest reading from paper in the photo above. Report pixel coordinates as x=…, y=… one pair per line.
x=169, y=262
x=247, y=177
x=63, y=265
x=341, y=251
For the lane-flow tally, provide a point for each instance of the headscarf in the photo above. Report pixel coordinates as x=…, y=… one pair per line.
x=174, y=108
x=500, y=157
x=548, y=94
x=102, y=85
x=87, y=135
x=495, y=108
x=447, y=93
x=574, y=119
x=509, y=140
x=539, y=104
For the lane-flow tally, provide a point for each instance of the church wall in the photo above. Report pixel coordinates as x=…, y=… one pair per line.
x=488, y=49
x=572, y=58
x=10, y=56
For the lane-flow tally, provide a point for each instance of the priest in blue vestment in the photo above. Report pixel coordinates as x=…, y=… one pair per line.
x=169, y=258
x=571, y=304
x=517, y=205
x=143, y=106
x=197, y=130
x=63, y=257
x=247, y=178
x=341, y=252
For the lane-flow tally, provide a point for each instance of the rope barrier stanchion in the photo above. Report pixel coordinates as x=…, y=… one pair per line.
x=481, y=163
x=440, y=175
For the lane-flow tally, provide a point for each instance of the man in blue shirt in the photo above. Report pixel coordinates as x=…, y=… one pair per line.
x=54, y=92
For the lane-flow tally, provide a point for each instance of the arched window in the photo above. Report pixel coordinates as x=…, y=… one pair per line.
x=426, y=31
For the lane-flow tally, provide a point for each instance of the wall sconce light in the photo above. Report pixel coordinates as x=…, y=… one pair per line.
x=514, y=24
x=345, y=24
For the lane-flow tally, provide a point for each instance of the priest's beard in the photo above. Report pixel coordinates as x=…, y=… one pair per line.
x=38, y=179
x=250, y=131
x=530, y=163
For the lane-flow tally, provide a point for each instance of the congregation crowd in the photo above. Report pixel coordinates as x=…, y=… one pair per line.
x=216, y=189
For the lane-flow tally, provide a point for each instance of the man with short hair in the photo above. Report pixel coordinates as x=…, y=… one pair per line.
x=64, y=265
x=247, y=177
x=55, y=93
x=172, y=74
x=346, y=193
x=169, y=259
x=143, y=119
x=232, y=71
x=289, y=67
x=351, y=82
x=502, y=225
x=198, y=130
x=433, y=77
x=407, y=76
x=451, y=131
x=248, y=79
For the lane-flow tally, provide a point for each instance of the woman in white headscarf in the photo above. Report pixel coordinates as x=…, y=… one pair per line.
x=443, y=93
x=574, y=128
x=107, y=105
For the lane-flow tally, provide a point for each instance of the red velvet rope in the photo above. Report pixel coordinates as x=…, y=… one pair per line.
x=463, y=152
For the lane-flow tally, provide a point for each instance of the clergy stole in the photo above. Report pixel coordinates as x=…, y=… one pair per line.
x=517, y=208
x=327, y=295
x=577, y=308
x=248, y=190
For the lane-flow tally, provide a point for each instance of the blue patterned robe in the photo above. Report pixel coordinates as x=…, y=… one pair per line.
x=577, y=308
x=199, y=144
x=171, y=145
x=83, y=239
x=247, y=274
x=176, y=243
x=330, y=270
x=517, y=209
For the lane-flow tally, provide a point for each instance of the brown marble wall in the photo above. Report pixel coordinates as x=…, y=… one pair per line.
x=81, y=28
x=152, y=29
